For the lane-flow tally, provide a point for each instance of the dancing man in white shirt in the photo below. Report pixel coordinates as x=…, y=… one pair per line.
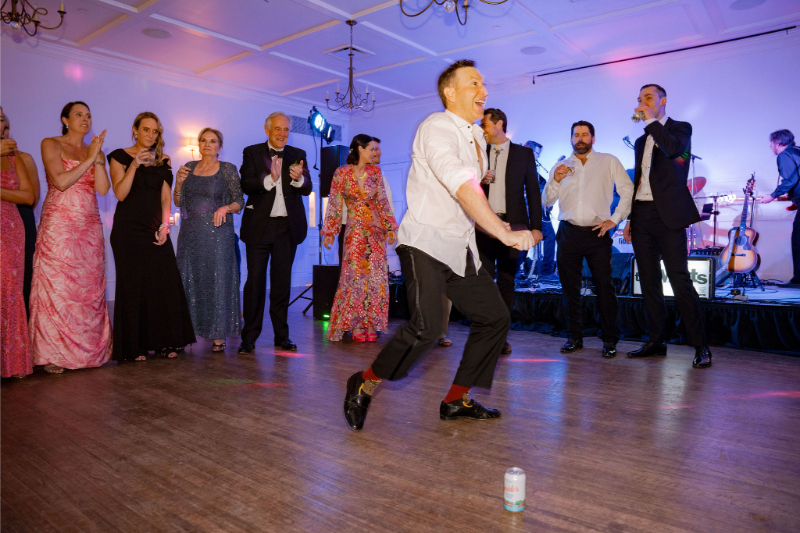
x=584, y=184
x=439, y=257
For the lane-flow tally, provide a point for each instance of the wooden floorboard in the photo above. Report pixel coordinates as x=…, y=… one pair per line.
x=221, y=442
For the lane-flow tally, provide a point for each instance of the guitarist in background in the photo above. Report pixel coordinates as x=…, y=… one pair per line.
x=662, y=210
x=782, y=144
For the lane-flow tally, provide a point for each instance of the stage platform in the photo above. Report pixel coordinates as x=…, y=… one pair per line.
x=220, y=442
x=768, y=320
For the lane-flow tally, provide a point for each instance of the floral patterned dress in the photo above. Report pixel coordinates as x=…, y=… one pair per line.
x=362, y=298
x=15, y=353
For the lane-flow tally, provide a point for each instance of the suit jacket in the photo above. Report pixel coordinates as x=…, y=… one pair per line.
x=522, y=186
x=256, y=165
x=669, y=171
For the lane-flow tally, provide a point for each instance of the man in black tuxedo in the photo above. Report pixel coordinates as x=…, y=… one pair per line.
x=275, y=178
x=662, y=209
x=513, y=193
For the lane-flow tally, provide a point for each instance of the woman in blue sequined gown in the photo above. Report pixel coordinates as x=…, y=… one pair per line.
x=209, y=193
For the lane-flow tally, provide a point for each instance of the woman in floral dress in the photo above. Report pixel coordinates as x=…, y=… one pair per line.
x=361, y=305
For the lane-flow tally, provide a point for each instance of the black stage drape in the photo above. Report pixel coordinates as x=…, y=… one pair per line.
x=766, y=327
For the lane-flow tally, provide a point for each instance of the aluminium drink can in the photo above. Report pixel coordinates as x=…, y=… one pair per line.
x=514, y=490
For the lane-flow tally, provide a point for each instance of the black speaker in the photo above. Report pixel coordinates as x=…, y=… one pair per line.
x=325, y=279
x=331, y=158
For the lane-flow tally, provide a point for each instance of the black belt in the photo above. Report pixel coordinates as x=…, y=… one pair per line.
x=575, y=226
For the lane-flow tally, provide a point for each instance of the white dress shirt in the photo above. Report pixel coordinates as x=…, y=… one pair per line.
x=443, y=158
x=498, y=160
x=279, y=206
x=584, y=198
x=388, y=197
x=645, y=194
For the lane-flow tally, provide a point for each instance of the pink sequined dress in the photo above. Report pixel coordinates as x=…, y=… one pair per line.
x=69, y=325
x=15, y=357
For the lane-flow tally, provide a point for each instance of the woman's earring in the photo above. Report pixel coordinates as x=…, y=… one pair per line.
x=66, y=126
x=135, y=136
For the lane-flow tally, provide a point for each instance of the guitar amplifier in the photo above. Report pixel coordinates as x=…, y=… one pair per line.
x=701, y=270
x=711, y=251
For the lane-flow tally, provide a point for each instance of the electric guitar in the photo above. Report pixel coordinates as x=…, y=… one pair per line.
x=740, y=255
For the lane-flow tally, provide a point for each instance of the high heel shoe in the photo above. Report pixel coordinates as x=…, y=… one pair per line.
x=372, y=337
x=359, y=337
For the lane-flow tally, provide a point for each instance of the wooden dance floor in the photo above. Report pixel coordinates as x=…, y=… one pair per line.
x=211, y=442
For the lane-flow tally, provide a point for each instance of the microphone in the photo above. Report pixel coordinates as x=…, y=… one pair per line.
x=627, y=141
x=563, y=157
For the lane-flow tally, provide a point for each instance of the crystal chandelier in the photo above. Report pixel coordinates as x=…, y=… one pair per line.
x=23, y=19
x=450, y=6
x=350, y=99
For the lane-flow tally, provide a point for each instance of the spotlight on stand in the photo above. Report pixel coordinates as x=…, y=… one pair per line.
x=318, y=123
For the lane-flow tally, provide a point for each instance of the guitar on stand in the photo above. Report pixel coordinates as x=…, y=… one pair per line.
x=740, y=256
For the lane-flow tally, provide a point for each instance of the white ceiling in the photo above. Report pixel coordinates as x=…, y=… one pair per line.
x=277, y=47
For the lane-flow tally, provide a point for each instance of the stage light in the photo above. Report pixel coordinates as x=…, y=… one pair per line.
x=318, y=124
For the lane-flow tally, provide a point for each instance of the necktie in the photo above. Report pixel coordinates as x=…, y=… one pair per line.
x=273, y=153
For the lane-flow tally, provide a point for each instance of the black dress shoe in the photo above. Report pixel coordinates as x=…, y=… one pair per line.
x=356, y=402
x=506, y=349
x=461, y=409
x=609, y=349
x=650, y=348
x=246, y=347
x=572, y=345
x=286, y=344
x=702, y=357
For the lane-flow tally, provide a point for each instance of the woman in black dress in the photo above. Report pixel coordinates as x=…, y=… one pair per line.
x=150, y=310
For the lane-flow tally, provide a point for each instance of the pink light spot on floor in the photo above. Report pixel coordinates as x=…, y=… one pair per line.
x=535, y=360
x=771, y=394
x=291, y=354
x=263, y=385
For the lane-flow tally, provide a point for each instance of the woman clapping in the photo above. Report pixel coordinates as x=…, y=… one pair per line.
x=69, y=324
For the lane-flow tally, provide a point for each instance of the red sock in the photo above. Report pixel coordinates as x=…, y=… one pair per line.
x=456, y=392
x=369, y=374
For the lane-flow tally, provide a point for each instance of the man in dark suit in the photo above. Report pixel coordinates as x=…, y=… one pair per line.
x=548, y=268
x=275, y=178
x=662, y=209
x=513, y=193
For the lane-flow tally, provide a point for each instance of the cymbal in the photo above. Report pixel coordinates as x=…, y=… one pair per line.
x=696, y=185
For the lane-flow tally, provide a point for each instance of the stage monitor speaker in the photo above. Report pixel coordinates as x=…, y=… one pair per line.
x=620, y=271
x=701, y=269
x=331, y=158
x=325, y=279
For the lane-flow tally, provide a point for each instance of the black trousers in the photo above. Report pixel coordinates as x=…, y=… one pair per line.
x=29, y=221
x=574, y=244
x=500, y=262
x=796, y=247
x=277, y=245
x=548, y=249
x=475, y=295
x=341, y=243
x=652, y=242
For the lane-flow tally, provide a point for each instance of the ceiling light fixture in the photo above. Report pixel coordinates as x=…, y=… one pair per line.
x=350, y=99
x=450, y=6
x=22, y=19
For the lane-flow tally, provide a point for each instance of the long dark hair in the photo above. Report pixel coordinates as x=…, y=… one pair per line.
x=359, y=141
x=67, y=110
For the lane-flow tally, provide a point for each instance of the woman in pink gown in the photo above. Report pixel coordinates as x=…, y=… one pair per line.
x=69, y=325
x=15, y=355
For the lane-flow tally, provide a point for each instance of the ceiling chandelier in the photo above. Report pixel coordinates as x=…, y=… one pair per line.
x=22, y=19
x=350, y=99
x=450, y=6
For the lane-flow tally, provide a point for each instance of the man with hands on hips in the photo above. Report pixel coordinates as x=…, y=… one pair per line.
x=584, y=184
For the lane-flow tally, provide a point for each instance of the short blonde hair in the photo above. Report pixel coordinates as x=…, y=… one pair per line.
x=212, y=130
x=276, y=114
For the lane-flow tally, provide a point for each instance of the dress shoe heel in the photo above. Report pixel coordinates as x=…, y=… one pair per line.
x=356, y=402
x=572, y=345
x=702, y=357
x=650, y=348
x=461, y=409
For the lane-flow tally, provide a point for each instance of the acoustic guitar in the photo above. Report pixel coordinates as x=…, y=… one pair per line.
x=740, y=255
